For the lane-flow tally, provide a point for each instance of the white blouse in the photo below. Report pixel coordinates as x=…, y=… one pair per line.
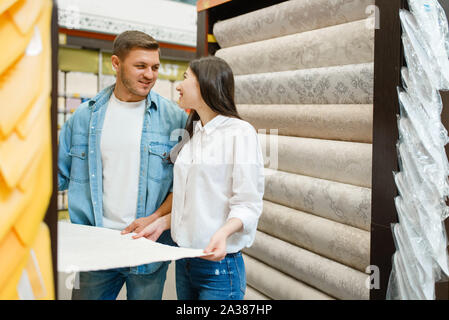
x=218, y=175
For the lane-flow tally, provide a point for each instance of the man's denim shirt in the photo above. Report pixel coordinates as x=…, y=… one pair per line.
x=80, y=167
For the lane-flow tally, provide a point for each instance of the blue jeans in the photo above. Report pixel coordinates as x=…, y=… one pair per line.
x=106, y=284
x=199, y=279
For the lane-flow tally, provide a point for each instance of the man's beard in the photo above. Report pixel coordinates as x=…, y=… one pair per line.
x=128, y=85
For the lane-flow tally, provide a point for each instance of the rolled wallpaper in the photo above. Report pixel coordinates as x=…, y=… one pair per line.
x=304, y=79
x=89, y=248
x=324, y=274
x=349, y=43
x=253, y=294
x=336, y=201
x=350, y=84
x=336, y=241
x=332, y=122
x=278, y=285
x=289, y=17
x=346, y=162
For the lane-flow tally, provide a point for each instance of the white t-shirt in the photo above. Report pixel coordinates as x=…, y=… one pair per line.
x=120, y=154
x=218, y=175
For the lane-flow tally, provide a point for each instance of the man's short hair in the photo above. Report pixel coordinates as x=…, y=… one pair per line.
x=128, y=40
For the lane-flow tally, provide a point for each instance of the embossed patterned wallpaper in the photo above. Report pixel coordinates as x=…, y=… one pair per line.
x=305, y=69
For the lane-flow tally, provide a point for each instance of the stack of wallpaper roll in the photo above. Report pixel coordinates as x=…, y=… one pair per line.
x=25, y=149
x=304, y=79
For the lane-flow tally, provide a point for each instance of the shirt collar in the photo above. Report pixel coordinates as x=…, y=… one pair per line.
x=151, y=100
x=211, y=125
x=105, y=94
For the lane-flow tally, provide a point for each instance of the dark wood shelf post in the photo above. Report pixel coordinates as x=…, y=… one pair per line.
x=388, y=60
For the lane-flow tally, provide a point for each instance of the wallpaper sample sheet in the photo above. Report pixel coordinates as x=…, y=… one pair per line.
x=87, y=248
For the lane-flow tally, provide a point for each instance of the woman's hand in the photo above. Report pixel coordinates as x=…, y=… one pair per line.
x=154, y=230
x=139, y=224
x=216, y=246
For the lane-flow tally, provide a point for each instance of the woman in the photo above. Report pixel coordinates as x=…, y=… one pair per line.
x=218, y=186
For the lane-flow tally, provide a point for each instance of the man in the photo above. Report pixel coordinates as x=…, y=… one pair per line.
x=112, y=159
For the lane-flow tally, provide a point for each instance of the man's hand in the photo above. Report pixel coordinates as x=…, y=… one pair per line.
x=154, y=230
x=139, y=224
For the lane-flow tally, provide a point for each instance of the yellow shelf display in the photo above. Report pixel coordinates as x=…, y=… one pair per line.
x=25, y=149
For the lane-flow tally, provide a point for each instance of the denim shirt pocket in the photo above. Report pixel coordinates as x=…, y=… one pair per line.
x=159, y=166
x=79, y=171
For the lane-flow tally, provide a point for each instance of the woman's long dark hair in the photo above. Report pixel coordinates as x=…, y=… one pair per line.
x=216, y=82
